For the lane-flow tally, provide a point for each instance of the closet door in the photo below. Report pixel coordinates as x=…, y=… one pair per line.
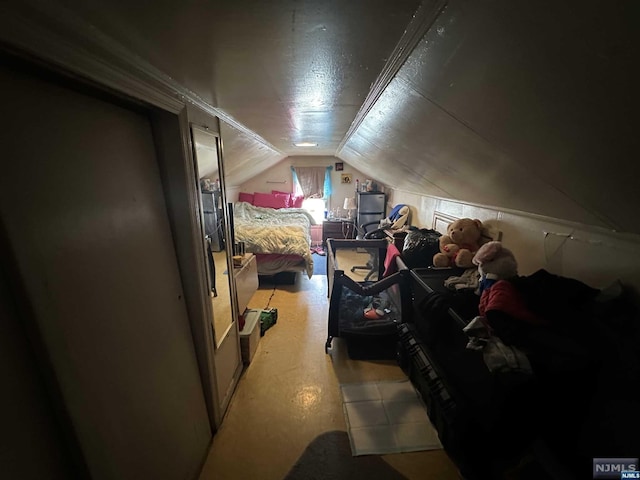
x=84, y=214
x=26, y=411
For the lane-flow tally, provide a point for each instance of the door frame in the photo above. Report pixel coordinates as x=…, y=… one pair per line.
x=183, y=208
x=38, y=42
x=224, y=352
x=167, y=135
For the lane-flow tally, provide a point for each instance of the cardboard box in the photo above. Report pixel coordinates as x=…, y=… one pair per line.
x=250, y=335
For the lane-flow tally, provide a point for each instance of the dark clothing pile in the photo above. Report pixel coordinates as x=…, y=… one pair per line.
x=576, y=399
x=583, y=346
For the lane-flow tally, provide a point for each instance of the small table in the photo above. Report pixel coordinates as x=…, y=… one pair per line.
x=339, y=228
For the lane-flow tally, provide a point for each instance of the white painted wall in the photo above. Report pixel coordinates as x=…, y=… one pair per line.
x=279, y=178
x=590, y=254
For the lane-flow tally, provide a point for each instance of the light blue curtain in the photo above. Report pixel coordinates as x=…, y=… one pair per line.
x=296, y=183
x=327, y=183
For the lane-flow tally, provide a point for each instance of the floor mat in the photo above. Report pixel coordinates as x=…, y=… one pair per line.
x=319, y=264
x=387, y=417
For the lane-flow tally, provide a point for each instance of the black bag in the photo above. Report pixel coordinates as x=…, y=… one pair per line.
x=377, y=234
x=420, y=245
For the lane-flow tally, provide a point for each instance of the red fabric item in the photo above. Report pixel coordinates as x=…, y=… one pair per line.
x=290, y=197
x=504, y=297
x=296, y=201
x=246, y=197
x=271, y=200
x=390, y=265
x=266, y=257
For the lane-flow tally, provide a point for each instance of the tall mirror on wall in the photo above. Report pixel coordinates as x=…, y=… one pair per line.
x=207, y=155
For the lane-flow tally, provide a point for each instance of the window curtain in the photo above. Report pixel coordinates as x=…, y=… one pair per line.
x=327, y=183
x=296, y=183
x=314, y=182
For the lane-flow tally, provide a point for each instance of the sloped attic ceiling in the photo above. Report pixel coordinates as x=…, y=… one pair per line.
x=244, y=156
x=518, y=104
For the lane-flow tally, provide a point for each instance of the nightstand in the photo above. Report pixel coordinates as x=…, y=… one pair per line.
x=341, y=228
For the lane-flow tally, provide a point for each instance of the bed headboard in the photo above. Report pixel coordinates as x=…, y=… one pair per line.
x=442, y=220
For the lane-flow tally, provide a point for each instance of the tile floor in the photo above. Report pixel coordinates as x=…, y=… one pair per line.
x=290, y=394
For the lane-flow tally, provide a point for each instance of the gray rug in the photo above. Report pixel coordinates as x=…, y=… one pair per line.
x=329, y=457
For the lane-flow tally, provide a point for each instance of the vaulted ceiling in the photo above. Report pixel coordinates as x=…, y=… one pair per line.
x=524, y=105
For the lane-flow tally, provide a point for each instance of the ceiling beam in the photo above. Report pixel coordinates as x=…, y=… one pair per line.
x=417, y=28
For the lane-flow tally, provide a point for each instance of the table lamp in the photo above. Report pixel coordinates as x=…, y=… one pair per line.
x=349, y=206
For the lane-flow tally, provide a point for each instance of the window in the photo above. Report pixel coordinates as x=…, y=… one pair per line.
x=316, y=207
x=315, y=184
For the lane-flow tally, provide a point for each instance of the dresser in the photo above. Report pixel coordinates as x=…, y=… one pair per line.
x=246, y=278
x=337, y=229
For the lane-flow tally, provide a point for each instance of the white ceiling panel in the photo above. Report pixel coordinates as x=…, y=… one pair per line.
x=517, y=104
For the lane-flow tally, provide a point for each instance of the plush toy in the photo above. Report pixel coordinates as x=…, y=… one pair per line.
x=497, y=265
x=457, y=247
x=501, y=306
x=495, y=262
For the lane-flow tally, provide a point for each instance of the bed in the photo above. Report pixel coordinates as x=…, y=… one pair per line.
x=280, y=238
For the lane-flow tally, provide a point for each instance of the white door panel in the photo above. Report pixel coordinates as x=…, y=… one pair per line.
x=84, y=211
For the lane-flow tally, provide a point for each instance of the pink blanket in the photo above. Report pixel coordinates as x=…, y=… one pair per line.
x=390, y=265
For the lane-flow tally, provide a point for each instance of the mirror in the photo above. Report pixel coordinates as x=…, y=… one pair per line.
x=208, y=169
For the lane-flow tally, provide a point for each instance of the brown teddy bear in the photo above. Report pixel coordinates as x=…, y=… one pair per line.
x=457, y=247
